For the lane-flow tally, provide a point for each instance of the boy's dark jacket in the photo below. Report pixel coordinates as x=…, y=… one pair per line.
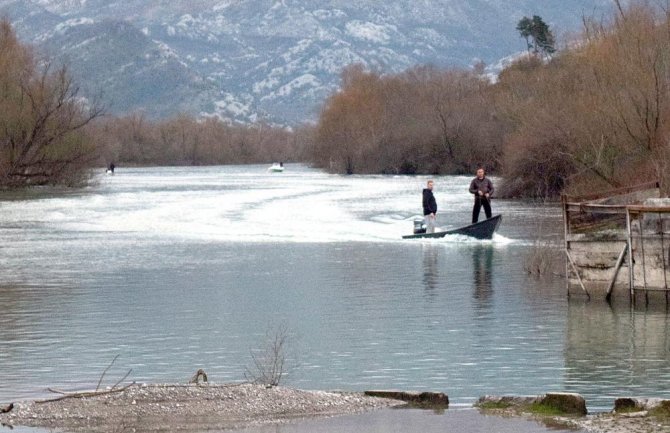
x=429, y=203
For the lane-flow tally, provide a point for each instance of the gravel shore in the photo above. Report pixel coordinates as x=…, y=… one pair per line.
x=187, y=408
x=606, y=422
x=612, y=423
x=206, y=407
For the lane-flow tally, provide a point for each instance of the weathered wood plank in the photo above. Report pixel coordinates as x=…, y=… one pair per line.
x=609, y=247
x=595, y=259
x=612, y=192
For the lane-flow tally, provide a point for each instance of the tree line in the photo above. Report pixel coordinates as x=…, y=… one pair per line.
x=42, y=121
x=425, y=120
x=593, y=115
x=50, y=135
x=185, y=140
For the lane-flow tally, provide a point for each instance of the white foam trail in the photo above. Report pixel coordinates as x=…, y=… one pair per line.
x=247, y=204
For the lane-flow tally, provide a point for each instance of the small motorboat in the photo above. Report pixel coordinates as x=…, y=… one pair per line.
x=480, y=230
x=276, y=167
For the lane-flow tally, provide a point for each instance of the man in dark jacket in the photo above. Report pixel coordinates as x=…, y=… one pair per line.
x=429, y=207
x=482, y=188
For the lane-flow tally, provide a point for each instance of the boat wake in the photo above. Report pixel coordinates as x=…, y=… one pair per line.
x=224, y=204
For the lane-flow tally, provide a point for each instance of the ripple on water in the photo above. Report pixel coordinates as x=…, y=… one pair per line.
x=184, y=268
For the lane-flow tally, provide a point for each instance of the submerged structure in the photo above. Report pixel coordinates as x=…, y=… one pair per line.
x=617, y=245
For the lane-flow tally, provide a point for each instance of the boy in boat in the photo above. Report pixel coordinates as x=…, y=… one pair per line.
x=429, y=207
x=482, y=188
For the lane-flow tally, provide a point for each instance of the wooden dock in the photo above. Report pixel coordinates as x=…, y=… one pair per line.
x=617, y=244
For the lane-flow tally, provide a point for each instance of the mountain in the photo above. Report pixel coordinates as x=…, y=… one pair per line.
x=275, y=60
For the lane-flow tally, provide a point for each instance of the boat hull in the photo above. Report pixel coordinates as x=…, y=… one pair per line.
x=480, y=230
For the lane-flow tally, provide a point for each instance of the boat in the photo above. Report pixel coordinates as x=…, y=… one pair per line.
x=480, y=230
x=276, y=167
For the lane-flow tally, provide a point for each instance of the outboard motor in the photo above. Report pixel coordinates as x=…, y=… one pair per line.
x=419, y=227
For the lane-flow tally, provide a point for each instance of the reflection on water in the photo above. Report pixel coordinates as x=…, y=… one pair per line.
x=616, y=352
x=482, y=268
x=410, y=420
x=171, y=279
x=431, y=277
x=482, y=262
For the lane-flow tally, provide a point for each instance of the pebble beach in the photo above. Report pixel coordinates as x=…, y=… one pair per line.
x=186, y=408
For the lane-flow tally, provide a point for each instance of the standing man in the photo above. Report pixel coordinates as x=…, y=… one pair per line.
x=429, y=207
x=482, y=188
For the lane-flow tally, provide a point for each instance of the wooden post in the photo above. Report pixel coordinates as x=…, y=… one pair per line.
x=631, y=276
x=665, y=271
x=566, y=233
x=574, y=268
x=619, y=262
x=644, y=263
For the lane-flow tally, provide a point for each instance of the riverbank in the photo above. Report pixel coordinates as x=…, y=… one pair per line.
x=186, y=408
x=619, y=423
x=195, y=408
x=608, y=422
x=568, y=411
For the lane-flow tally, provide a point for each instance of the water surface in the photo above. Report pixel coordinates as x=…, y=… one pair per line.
x=176, y=269
x=404, y=420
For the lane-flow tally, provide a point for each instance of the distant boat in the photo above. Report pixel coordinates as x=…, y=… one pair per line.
x=276, y=167
x=480, y=230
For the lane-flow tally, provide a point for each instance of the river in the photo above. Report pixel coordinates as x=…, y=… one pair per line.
x=175, y=269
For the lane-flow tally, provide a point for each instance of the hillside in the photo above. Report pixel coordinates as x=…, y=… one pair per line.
x=271, y=59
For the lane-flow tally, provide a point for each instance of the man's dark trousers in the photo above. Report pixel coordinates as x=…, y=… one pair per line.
x=479, y=202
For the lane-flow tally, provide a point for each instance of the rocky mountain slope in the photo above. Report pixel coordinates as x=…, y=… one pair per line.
x=275, y=60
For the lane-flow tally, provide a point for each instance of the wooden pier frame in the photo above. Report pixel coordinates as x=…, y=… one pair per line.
x=610, y=249
x=650, y=252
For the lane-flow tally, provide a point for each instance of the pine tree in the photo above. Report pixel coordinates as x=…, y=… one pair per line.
x=538, y=36
x=525, y=27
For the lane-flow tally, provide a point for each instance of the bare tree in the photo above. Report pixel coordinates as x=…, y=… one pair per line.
x=270, y=361
x=634, y=80
x=42, y=135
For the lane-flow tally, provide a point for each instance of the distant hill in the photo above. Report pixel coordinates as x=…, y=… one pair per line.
x=267, y=59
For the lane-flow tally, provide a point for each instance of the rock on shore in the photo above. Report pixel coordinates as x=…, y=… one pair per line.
x=630, y=415
x=187, y=408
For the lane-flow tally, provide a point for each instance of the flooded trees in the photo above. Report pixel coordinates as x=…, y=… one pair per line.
x=425, y=120
x=186, y=140
x=464, y=119
x=631, y=67
x=350, y=126
x=596, y=115
x=41, y=119
x=51, y=135
x=535, y=102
